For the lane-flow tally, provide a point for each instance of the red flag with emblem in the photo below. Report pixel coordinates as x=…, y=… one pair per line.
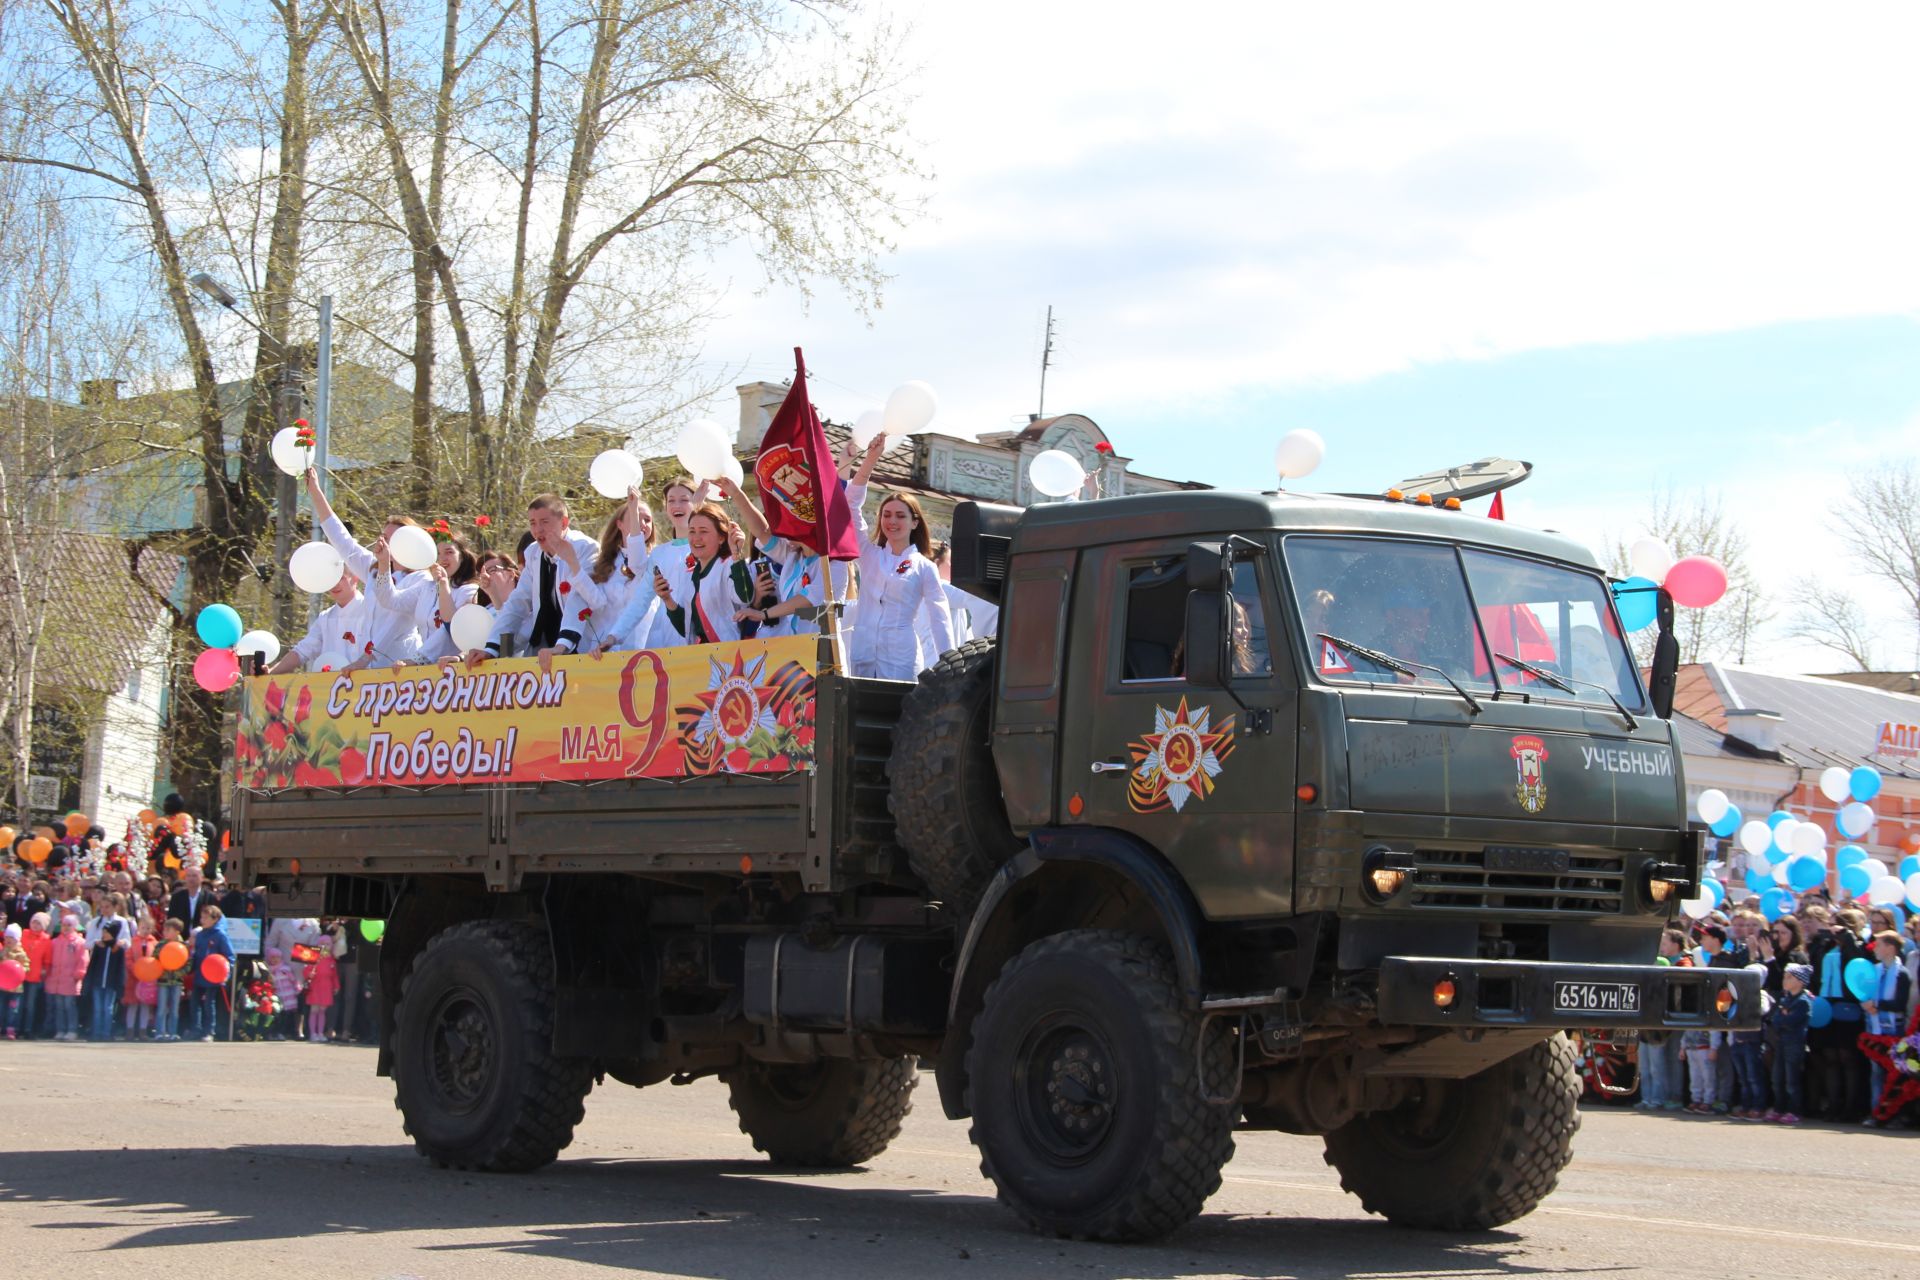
x=799, y=486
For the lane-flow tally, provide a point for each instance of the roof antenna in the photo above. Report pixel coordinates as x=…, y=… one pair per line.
x=1046, y=359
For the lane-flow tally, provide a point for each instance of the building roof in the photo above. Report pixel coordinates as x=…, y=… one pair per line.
x=111, y=626
x=1823, y=722
x=1891, y=681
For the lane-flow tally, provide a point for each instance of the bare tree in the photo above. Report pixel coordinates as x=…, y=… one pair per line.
x=1829, y=617
x=1880, y=522
x=1697, y=524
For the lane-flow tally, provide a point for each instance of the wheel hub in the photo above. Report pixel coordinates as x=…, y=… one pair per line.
x=462, y=1049
x=1067, y=1090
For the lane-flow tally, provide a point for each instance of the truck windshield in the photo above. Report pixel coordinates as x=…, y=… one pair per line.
x=1457, y=609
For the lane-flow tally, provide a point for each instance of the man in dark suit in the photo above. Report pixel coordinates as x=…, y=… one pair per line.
x=187, y=900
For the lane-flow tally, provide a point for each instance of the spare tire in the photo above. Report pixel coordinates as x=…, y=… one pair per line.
x=945, y=794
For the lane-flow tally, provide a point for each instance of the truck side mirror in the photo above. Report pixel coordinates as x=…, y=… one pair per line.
x=1665, y=672
x=1205, y=638
x=1206, y=566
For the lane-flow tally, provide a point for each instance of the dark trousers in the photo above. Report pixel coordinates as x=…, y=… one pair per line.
x=1789, y=1066
x=1750, y=1076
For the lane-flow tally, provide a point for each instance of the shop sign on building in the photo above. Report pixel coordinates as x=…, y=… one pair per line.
x=1898, y=741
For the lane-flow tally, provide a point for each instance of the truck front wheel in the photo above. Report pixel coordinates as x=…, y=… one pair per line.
x=831, y=1114
x=1087, y=1080
x=1466, y=1155
x=475, y=1076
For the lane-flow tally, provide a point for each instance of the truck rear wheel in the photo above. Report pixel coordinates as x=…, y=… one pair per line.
x=1467, y=1155
x=831, y=1114
x=475, y=1076
x=1085, y=1084
x=947, y=808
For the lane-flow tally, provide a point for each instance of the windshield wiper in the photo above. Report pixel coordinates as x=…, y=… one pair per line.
x=1566, y=685
x=1401, y=666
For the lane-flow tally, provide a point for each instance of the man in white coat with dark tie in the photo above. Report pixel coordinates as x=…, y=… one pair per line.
x=556, y=607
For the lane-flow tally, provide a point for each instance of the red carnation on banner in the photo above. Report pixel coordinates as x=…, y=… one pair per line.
x=799, y=485
x=481, y=522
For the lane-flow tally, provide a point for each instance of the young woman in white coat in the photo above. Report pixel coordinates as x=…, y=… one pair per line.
x=616, y=578
x=706, y=610
x=897, y=582
x=643, y=623
x=430, y=599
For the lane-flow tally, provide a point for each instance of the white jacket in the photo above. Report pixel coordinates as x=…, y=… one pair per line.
x=395, y=636
x=341, y=629
x=419, y=599
x=516, y=616
x=894, y=590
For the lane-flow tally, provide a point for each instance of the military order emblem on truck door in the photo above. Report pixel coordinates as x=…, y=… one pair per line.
x=1530, y=762
x=1179, y=760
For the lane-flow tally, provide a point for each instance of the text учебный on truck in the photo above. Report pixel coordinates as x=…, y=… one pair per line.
x=1327, y=813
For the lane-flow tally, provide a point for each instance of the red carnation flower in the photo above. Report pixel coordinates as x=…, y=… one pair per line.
x=369, y=648
x=349, y=637
x=438, y=621
x=585, y=614
x=806, y=580
x=1103, y=447
x=902, y=567
x=693, y=561
x=565, y=588
x=301, y=422
x=442, y=526
x=481, y=522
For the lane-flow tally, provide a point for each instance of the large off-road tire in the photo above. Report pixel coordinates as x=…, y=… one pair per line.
x=475, y=1076
x=831, y=1114
x=1085, y=1084
x=947, y=808
x=1467, y=1155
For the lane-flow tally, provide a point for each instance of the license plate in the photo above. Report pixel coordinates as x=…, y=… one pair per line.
x=1596, y=997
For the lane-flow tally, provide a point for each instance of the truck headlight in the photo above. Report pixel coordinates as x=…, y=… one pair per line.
x=1665, y=881
x=1385, y=873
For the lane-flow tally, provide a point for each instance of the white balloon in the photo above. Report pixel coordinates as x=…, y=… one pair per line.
x=1650, y=558
x=910, y=408
x=1854, y=820
x=1696, y=908
x=1780, y=871
x=331, y=660
x=1809, y=839
x=412, y=547
x=315, y=567
x=1836, y=784
x=288, y=455
x=1299, y=454
x=867, y=426
x=1887, y=891
x=1056, y=473
x=735, y=472
x=1876, y=868
x=1783, y=833
x=1712, y=805
x=613, y=473
x=264, y=643
x=1913, y=889
x=702, y=448
x=1756, y=837
x=471, y=627
x=1758, y=864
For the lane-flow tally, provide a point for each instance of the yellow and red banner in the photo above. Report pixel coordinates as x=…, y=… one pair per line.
x=743, y=707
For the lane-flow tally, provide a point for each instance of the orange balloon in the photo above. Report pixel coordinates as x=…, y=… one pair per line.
x=148, y=817
x=174, y=956
x=7, y=836
x=179, y=823
x=147, y=968
x=77, y=824
x=36, y=850
x=45, y=833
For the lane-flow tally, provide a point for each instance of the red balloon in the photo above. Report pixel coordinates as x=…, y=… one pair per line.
x=215, y=969
x=1696, y=582
x=12, y=974
x=216, y=670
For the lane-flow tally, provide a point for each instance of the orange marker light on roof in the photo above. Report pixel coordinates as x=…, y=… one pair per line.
x=1423, y=499
x=1451, y=504
x=1394, y=495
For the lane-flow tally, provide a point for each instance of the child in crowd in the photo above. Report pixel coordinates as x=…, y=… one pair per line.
x=66, y=970
x=1788, y=1021
x=140, y=995
x=1660, y=1051
x=286, y=989
x=11, y=1001
x=1886, y=1013
x=208, y=940
x=38, y=945
x=167, y=992
x=1702, y=1048
x=323, y=984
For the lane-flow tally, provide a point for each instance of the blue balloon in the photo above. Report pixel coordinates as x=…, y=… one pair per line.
x=1856, y=878
x=1864, y=783
x=1776, y=902
x=219, y=627
x=1777, y=817
x=1729, y=823
x=1806, y=873
x=1822, y=1012
x=1849, y=854
x=1862, y=978
x=1639, y=602
x=1715, y=890
x=1909, y=865
x=1760, y=882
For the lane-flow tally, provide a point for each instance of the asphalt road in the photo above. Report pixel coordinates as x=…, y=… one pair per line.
x=240, y=1160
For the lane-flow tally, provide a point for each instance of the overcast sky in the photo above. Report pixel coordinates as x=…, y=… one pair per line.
x=1633, y=244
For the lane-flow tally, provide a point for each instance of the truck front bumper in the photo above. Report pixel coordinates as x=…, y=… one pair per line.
x=1434, y=992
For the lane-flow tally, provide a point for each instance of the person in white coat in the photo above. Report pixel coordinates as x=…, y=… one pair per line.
x=548, y=608
x=431, y=597
x=618, y=570
x=339, y=630
x=800, y=580
x=897, y=582
x=972, y=616
x=707, y=610
x=394, y=634
x=643, y=623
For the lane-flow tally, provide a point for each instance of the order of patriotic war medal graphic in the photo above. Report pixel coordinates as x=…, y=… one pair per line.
x=1179, y=760
x=1530, y=764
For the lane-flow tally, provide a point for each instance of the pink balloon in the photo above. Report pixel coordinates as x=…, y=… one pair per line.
x=1696, y=582
x=216, y=670
x=12, y=974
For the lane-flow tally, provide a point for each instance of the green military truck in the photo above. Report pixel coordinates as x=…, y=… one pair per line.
x=1318, y=814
